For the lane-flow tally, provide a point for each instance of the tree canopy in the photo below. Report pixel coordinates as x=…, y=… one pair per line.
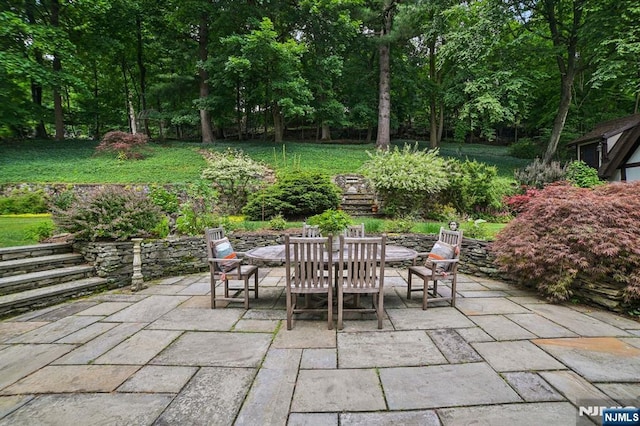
x=482, y=70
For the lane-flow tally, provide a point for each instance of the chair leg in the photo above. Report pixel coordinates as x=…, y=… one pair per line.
x=246, y=292
x=340, y=302
x=330, y=310
x=435, y=288
x=213, y=293
x=409, y=286
x=425, y=293
x=380, y=311
x=453, y=291
x=289, y=310
x=255, y=283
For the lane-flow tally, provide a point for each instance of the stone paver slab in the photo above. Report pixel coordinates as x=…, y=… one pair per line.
x=90, y=332
x=305, y=334
x=90, y=409
x=387, y=349
x=482, y=293
x=148, y=309
x=197, y=288
x=11, y=329
x=56, y=330
x=423, y=418
x=516, y=356
x=212, y=397
x=266, y=314
x=198, y=319
x=602, y=359
x=549, y=413
x=489, y=306
x=158, y=379
x=162, y=289
x=337, y=391
x=429, y=319
x=216, y=349
x=474, y=334
x=582, y=324
x=577, y=390
x=66, y=310
x=197, y=302
x=532, y=387
x=540, y=326
x=259, y=326
x=613, y=319
x=501, y=328
x=14, y=364
x=270, y=395
x=319, y=358
x=410, y=388
x=105, y=308
x=310, y=419
x=453, y=346
x=139, y=348
x=91, y=350
x=626, y=394
x=72, y=378
x=9, y=404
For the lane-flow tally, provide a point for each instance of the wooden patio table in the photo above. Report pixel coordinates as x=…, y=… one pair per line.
x=277, y=254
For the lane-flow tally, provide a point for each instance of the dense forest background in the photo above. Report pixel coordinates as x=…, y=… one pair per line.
x=496, y=71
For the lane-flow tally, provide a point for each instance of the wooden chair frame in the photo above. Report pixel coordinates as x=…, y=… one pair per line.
x=363, y=260
x=309, y=269
x=240, y=272
x=437, y=270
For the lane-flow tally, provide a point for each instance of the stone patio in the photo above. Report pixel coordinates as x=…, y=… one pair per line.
x=163, y=357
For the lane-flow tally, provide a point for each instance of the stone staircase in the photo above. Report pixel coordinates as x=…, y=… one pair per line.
x=41, y=275
x=357, y=197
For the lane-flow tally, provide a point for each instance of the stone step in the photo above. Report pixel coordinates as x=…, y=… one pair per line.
x=35, y=264
x=35, y=250
x=40, y=297
x=23, y=282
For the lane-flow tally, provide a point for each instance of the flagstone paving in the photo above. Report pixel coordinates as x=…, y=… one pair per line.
x=163, y=357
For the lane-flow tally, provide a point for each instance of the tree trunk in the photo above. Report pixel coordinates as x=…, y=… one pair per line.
x=433, y=97
x=278, y=124
x=205, y=117
x=143, y=73
x=384, y=100
x=40, y=130
x=326, y=132
x=567, y=67
x=57, y=68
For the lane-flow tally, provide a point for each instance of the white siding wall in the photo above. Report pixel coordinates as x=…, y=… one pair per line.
x=612, y=141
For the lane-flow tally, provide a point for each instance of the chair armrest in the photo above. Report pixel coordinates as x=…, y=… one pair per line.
x=420, y=254
x=236, y=264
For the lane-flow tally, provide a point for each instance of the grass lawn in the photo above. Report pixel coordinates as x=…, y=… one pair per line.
x=73, y=161
x=15, y=229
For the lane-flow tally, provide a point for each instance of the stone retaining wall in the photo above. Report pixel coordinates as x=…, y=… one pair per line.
x=187, y=255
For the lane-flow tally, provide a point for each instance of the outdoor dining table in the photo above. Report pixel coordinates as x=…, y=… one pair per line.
x=276, y=253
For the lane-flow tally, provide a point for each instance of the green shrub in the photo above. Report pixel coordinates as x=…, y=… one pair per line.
x=24, y=201
x=235, y=176
x=278, y=223
x=331, y=221
x=63, y=199
x=197, y=212
x=125, y=145
x=476, y=229
x=294, y=196
x=565, y=231
x=401, y=225
x=110, y=213
x=162, y=229
x=538, y=175
x=476, y=189
x=525, y=148
x=406, y=178
x=167, y=201
x=582, y=175
x=40, y=231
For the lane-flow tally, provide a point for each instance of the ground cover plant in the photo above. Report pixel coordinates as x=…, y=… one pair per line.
x=565, y=232
x=21, y=230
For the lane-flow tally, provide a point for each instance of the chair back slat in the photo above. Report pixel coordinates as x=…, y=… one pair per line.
x=453, y=238
x=363, y=259
x=354, y=231
x=310, y=230
x=211, y=235
x=305, y=261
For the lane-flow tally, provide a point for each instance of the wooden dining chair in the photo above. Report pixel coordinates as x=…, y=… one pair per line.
x=354, y=231
x=308, y=272
x=226, y=264
x=362, y=260
x=310, y=230
x=441, y=264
